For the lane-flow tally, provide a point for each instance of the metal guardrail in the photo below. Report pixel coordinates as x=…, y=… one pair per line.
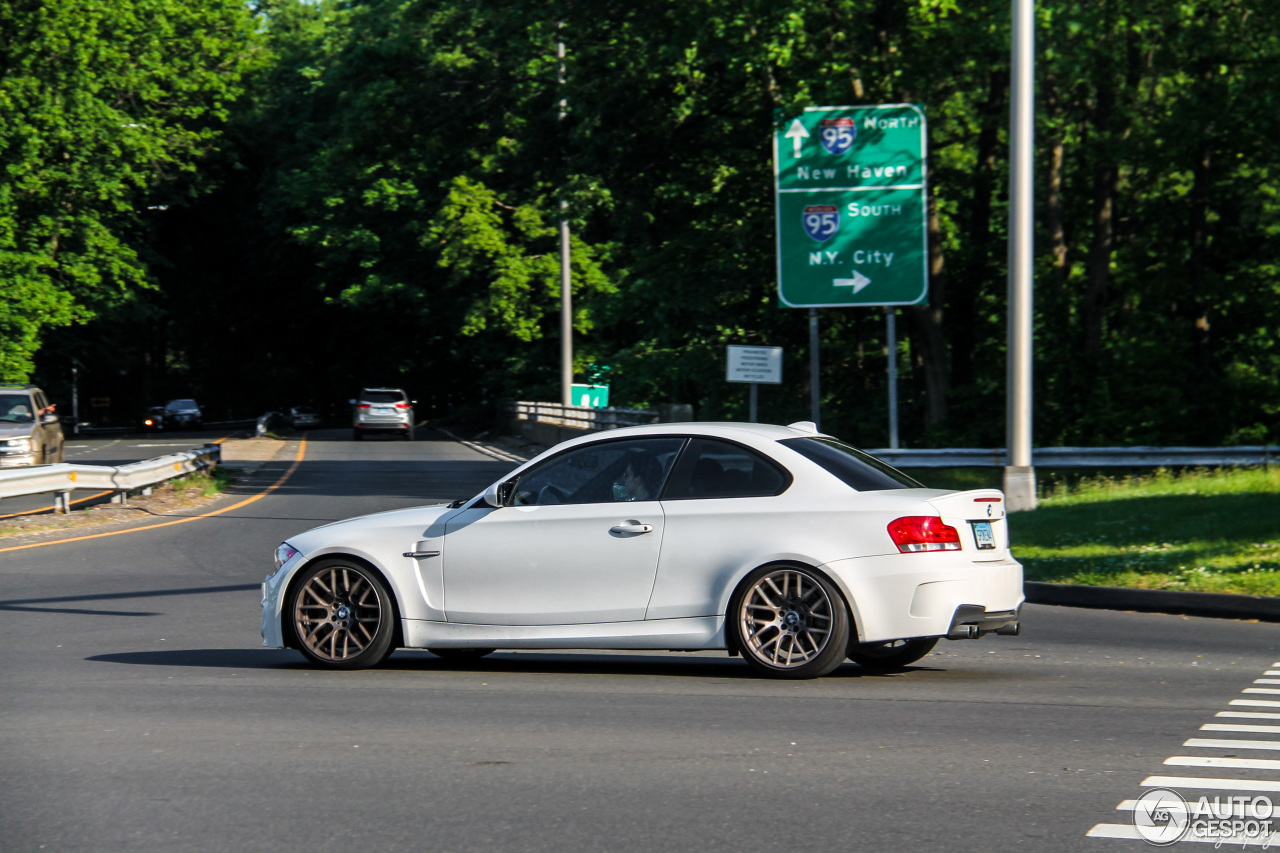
x=1084, y=457
x=64, y=478
x=580, y=417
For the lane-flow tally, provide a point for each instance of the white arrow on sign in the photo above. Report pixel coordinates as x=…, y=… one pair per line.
x=797, y=134
x=858, y=281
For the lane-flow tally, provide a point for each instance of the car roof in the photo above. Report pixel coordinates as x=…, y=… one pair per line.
x=718, y=429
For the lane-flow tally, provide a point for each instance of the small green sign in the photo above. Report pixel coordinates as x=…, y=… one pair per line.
x=593, y=396
x=850, y=191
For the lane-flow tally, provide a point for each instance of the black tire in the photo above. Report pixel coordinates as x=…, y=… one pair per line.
x=789, y=622
x=408, y=434
x=891, y=654
x=461, y=656
x=357, y=434
x=341, y=615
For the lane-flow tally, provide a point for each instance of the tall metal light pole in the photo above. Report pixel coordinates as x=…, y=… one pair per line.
x=1019, y=474
x=566, y=280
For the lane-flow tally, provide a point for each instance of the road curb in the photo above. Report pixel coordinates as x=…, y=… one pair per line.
x=1216, y=604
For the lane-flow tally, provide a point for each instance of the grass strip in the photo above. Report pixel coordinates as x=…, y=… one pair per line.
x=1192, y=529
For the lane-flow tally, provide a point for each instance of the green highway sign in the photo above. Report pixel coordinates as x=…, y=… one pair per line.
x=850, y=191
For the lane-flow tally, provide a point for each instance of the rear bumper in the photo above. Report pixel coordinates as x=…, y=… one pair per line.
x=971, y=621
x=900, y=596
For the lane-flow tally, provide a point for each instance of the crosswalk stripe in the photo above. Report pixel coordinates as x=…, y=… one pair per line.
x=1256, y=703
x=1242, y=763
x=1125, y=830
x=1205, y=743
x=1236, y=727
x=1253, y=715
x=1260, y=690
x=1195, y=782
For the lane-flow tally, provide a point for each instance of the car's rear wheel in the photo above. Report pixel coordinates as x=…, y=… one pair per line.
x=341, y=614
x=891, y=654
x=461, y=656
x=789, y=622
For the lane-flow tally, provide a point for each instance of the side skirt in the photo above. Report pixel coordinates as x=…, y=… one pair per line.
x=704, y=632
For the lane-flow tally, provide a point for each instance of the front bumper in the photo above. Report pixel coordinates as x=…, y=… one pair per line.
x=17, y=460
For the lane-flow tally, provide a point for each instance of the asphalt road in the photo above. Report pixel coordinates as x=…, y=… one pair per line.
x=138, y=712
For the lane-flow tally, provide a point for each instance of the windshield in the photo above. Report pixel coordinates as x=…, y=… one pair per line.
x=855, y=468
x=183, y=404
x=15, y=409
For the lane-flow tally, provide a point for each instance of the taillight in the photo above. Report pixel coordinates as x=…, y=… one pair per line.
x=923, y=533
x=402, y=405
x=364, y=406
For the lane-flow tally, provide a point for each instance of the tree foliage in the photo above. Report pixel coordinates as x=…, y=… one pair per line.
x=107, y=107
x=393, y=183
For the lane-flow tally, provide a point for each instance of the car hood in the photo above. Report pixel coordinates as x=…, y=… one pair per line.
x=15, y=430
x=350, y=530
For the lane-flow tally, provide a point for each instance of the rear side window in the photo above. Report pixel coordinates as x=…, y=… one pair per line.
x=381, y=396
x=855, y=468
x=718, y=469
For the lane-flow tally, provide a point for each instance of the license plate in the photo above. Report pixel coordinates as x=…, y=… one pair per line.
x=983, y=535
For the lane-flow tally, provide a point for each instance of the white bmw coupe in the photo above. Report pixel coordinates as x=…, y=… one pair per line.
x=779, y=544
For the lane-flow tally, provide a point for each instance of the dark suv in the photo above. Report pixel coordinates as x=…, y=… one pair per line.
x=30, y=431
x=382, y=410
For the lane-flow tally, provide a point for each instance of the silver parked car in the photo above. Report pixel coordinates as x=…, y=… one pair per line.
x=30, y=430
x=382, y=410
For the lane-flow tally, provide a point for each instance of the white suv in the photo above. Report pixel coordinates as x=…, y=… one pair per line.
x=30, y=431
x=382, y=410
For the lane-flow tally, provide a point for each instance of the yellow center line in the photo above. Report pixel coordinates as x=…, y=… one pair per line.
x=302, y=451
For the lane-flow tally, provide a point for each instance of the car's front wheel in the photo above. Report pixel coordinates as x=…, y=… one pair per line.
x=789, y=622
x=891, y=654
x=342, y=615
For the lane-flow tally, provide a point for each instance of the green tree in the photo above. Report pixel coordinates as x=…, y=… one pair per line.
x=107, y=107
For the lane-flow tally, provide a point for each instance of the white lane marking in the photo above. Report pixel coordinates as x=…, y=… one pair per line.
x=188, y=444
x=1236, y=727
x=71, y=446
x=1253, y=715
x=1206, y=743
x=1238, y=809
x=1266, y=680
x=1201, y=761
x=1272, y=672
x=1211, y=784
x=1255, y=703
x=1260, y=690
x=1126, y=830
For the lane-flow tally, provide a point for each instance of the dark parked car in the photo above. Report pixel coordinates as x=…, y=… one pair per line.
x=182, y=414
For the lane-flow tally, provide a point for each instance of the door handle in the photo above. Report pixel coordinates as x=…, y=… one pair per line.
x=632, y=527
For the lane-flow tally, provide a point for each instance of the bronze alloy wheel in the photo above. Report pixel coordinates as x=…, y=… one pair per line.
x=342, y=615
x=791, y=623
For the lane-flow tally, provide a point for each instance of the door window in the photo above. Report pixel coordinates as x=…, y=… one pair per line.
x=720, y=469
x=603, y=472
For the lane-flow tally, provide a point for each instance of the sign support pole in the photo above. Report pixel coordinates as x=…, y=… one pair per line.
x=815, y=391
x=891, y=324
x=1019, y=474
x=566, y=280
x=755, y=400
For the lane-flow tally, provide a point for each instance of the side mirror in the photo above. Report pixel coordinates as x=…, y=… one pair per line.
x=493, y=495
x=49, y=419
